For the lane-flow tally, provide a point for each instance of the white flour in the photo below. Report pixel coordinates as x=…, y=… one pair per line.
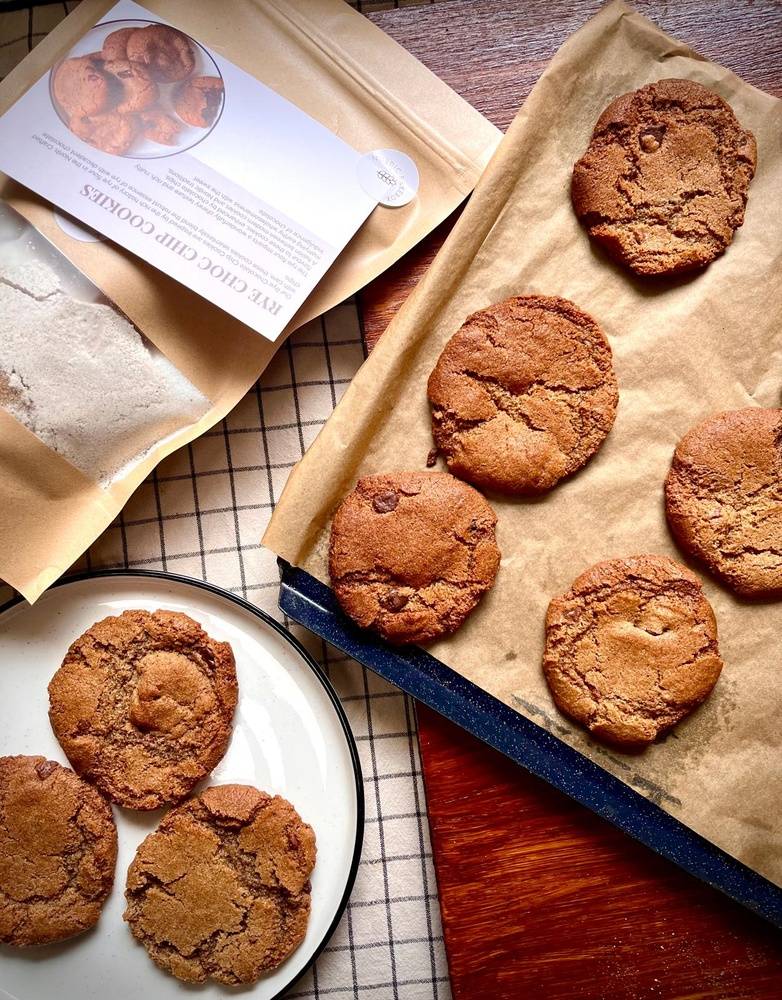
x=80, y=377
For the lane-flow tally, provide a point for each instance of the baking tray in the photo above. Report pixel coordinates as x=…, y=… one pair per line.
x=312, y=604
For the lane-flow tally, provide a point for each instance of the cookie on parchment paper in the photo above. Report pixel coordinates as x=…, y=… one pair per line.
x=523, y=394
x=412, y=553
x=631, y=648
x=663, y=184
x=723, y=498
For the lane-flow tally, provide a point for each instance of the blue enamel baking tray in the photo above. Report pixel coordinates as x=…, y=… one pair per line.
x=310, y=603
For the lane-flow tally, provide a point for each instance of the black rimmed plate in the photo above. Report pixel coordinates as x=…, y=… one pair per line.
x=290, y=737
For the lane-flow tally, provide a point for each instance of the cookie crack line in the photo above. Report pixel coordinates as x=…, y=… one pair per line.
x=125, y=658
x=625, y=692
x=630, y=209
x=217, y=820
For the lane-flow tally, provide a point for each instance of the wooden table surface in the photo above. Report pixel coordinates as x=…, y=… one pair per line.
x=541, y=899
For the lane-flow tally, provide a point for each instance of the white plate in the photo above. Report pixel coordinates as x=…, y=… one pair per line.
x=145, y=149
x=290, y=737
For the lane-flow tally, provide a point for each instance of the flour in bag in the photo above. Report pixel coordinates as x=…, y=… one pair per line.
x=81, y=377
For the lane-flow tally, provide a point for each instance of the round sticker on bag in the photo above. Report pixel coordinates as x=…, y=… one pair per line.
x=388, y=176
x=76, y=230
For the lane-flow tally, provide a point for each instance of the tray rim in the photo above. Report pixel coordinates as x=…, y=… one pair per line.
x=326, y=684
x=311, y=603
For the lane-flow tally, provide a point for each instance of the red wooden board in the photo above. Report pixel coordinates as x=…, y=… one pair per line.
x=541, y=900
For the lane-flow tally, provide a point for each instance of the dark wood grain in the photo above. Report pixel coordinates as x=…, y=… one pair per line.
x=541, y=900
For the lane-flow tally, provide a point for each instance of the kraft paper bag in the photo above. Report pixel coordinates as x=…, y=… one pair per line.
x=340, y=69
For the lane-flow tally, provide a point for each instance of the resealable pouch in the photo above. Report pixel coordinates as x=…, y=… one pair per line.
x=345, y=73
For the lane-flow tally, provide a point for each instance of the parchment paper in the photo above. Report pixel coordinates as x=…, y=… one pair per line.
x=682, y=349
x=344, y=72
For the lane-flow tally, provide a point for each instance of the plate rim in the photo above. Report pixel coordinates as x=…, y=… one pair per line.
x=266, y=618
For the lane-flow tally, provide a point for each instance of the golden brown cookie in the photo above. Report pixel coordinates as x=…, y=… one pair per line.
x=663, y=183
x=58, y=849
x=631, y=648
x=115, y=45
x=412, y=553
x=166, y=52
x=81, y=87
x=723, y=498
x=221, y=889
x=112, y=132
x=142, y=705
x=137, y=88
x=197, y=101
x=157, y=126
x=523, y=394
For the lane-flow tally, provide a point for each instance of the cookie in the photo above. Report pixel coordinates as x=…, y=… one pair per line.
x=412, y=553
x=137, y=88
x=631, y=648
x=523, y=394
x=142, y=705
x=221, y=889
x=723, y=498
x=80, y=87
x=197, y=101
x=663, y=183
x=58, y=850
x=166, y=52
x=112, y=132
x=115, y=45
x=157, y=126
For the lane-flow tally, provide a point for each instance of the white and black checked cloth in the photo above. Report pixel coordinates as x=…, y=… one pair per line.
x=201, y=514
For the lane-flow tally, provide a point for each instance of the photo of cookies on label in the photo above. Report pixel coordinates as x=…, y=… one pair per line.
x=138, y=89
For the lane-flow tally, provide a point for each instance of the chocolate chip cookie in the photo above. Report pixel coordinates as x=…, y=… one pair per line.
x=631, y=648
x=81, y=87
x=142, y=705
x=663, y=184
x=723, y=498
x=197, y=101
x=221, y=889
x=165, y=52
x=58, y=849
x=412, y=553
x=523, y=394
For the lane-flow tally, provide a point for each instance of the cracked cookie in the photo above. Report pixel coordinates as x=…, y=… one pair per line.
x=197, y=101
x=166, y=52
x=723, y=498
x=81, y=87
x=58, y=850
x=631, y=648
x=142, y=706
x=412, y=553
x=221, y=889
x=523, y=394
x=137, y=88
x=663, y=183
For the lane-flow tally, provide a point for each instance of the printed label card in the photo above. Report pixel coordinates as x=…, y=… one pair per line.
x=165, y=147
